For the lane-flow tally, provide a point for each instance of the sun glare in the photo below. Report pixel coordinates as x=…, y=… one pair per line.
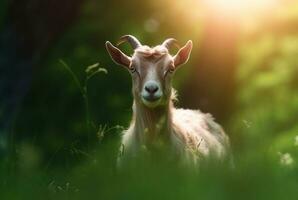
x=240, y=7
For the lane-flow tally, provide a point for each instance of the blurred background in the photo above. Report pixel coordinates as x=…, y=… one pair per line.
x=60, y=125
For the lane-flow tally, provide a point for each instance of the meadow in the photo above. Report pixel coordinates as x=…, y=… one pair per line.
x=64, y=103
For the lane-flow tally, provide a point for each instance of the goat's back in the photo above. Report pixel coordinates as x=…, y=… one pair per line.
x=198, y=135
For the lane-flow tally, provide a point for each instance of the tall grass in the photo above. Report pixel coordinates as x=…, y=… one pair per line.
x=256, y=174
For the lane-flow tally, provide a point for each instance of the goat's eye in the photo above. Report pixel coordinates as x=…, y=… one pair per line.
x=132, y=69
x=169, y=71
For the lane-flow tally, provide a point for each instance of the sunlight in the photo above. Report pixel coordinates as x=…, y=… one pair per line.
x=240, y=7
x=244, y=11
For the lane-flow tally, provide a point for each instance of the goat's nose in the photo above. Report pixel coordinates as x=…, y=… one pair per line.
x=151, y=88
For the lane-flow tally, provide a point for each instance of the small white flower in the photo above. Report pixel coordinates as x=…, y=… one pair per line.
x=286, y=159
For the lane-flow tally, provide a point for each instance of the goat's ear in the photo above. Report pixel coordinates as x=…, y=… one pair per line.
x=117, y=55
x=183, y=54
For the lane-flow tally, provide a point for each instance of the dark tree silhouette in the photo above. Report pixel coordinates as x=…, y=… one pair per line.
x=30, y=28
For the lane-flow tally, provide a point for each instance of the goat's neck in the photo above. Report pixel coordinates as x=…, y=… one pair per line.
x=152, y=124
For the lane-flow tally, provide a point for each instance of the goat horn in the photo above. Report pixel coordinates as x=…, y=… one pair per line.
x=132, y=40
x=169, y=42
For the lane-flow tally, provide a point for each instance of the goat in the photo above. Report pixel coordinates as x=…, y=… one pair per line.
x=190, y=134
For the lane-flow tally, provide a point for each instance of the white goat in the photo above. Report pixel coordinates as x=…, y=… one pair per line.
x=190, y=135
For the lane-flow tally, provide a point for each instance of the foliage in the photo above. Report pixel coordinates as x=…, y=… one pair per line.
x=66, y=134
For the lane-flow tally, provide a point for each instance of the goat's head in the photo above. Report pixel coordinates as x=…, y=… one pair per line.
x=151, y=68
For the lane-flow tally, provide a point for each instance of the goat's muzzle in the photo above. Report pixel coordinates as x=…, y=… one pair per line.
x=151, y=94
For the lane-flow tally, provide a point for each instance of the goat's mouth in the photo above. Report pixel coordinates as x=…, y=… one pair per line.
x=151, y=100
